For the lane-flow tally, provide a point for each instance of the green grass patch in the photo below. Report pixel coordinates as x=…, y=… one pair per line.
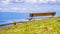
x=45, y=26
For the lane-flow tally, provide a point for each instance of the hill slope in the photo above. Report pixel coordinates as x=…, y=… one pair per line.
x=45, y=26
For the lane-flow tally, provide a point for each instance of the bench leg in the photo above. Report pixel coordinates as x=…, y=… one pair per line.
x=30, y=18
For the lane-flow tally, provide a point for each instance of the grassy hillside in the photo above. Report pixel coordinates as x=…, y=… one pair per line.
x=45, y=26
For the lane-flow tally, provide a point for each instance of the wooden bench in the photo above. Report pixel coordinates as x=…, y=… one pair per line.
x=41, y=14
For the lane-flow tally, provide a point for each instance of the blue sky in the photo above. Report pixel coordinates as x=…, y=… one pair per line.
x=27, y=6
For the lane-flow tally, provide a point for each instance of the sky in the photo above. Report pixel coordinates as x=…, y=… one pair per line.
x=27, y=6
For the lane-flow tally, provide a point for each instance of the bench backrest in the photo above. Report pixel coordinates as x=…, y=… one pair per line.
x=42, y=14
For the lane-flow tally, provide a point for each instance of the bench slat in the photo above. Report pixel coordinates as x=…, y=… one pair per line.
x=42, y=14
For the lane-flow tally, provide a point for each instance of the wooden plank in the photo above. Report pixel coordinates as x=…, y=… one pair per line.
x=42, y=14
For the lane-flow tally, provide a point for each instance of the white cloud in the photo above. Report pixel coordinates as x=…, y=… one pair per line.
x=4, y=9
x=19, y=0
x=40, y=1
x=15, y=8
x=5, y=1
x=53, y=0
x=23, y=10
x=18, y=8
x=36, y=1
x=26, y=7
x=43, y=1
x=30, y=1
x=0, y=8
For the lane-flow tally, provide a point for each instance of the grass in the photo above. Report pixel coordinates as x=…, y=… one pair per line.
x=45, y=26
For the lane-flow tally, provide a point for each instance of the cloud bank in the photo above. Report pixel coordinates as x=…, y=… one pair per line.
x=26, y=6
